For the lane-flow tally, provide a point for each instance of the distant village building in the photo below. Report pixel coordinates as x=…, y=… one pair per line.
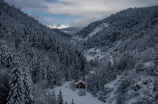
x=92, y=72
x=80, y=84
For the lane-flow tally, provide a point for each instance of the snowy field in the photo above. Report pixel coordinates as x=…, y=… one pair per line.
x=69, y=94
x=93, y=53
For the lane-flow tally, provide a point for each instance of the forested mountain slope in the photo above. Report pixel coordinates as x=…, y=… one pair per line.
x=122, y=51
x=132, y=23
x=28, y=48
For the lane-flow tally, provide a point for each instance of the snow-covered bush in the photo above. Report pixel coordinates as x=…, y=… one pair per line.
x=82, y=92
x=60, y=98
x=123, y=88
x=72, y=85
x=101, y=96
x=143, y=100
x=39, y=94
x=156, y=96
x=155, y=89
x=94, y=63
x=139, y=67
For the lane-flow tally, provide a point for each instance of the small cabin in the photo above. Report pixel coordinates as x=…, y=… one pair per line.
x=80, y=84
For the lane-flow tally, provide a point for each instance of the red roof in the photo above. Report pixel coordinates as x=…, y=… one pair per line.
x=80, y=85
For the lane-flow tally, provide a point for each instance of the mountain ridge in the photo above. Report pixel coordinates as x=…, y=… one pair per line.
x=122, y=21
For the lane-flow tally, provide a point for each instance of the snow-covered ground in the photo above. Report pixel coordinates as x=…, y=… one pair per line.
x=93, y=54
x=110, y=97
x=69, y=94
x=143, y=86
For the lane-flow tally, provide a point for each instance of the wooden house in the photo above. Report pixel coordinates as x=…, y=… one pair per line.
x=80, y=84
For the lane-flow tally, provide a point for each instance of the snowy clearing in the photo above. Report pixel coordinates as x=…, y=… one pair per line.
x=93, y=54
x=69, y=94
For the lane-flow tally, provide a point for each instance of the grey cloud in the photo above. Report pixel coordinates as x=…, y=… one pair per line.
x=36, y=16
x=34, y=4
x=87, y=21
x=89, y=9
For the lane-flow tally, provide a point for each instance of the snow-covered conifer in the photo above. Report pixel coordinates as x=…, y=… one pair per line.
x=16, y=94
x=72, y=101
x=66, y=102
x=60, y=97
x=27, y=87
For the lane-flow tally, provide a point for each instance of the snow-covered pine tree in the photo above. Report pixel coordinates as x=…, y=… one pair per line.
x=3, y=56
x=58, y=77
x=70, y=77
x=51, y=75
x=66, y=102
x=27, y=87
x=100, y=96
x=60, y=98
x=82, y=92
x=54, y=97
x=48, y=98
x=51, y=99
x=16, y=94
x=72, y=101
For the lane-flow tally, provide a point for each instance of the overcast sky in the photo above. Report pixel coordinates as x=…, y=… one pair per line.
x=75, y=12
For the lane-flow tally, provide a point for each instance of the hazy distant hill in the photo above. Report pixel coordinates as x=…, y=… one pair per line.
x=72, y=30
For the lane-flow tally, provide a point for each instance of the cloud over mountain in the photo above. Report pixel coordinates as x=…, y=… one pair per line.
x=57, y=26
x=88, y=9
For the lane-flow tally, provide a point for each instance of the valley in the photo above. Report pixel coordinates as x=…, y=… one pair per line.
x=110, y=61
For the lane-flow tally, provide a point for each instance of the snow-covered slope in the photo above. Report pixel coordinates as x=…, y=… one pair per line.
x=96, y=31
x=112, y=87
x=137, y=88
x=140, y=87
